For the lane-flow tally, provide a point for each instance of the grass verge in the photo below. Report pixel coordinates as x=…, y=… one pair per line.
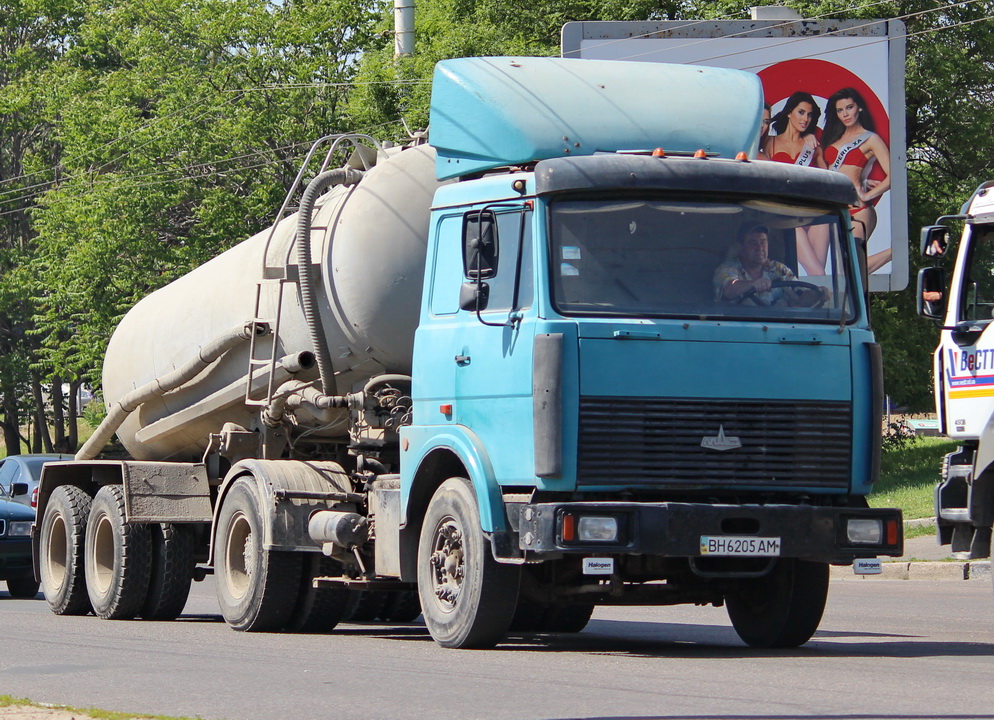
x=908, y=474
x=8, y=701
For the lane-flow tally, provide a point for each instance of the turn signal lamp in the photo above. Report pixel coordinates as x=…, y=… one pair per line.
x=892, y=532
x=569, y=527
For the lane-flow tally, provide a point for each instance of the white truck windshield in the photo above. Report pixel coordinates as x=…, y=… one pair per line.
x=768, y=260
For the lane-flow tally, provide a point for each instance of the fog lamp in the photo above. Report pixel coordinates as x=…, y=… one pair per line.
x=864, y=531
x=597, y=529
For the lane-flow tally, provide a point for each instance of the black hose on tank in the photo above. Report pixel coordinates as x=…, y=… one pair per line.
x=308, y=274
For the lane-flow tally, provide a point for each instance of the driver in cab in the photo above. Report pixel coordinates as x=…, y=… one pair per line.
x=753, y=276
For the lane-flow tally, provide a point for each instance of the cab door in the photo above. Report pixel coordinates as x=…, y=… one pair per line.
x=481, y=357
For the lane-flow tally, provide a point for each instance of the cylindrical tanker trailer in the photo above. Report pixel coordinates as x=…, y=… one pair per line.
x=369, y=240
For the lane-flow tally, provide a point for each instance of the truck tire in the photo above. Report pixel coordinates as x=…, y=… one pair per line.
x=781, y=609
x=567, y=618
x=25, y=587
x=402, y=606
x=365, y=605
x=467, y=597
x=61, y=542
x=172, y=571
x=256, y=588
x=319, y=609
x=532, y=616
x=118, y=558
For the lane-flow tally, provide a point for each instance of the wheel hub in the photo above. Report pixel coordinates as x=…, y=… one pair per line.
x=447, y=563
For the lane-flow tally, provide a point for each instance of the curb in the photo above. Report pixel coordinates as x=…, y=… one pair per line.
x=975, y=570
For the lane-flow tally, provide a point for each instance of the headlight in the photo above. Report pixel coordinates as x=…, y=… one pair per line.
x=19, y=529
x=864, y=531
x=597, y=529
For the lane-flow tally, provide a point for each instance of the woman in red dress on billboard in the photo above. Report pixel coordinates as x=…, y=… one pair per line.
x=795, y=143
x=851, y=145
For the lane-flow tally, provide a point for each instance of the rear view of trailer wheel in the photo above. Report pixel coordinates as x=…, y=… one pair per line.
x=783, y=608
x=319, y=609
x=117, y=556
x=468, y=598
x=63, y=532
x=256, y=588
x=172, y=571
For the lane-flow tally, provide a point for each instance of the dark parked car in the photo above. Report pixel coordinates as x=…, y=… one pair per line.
x=15, y=547
x=19, y=476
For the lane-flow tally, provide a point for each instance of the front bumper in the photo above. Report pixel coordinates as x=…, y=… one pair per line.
x=676, y=529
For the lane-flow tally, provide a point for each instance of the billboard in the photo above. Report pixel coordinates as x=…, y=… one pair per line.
x=836, y=96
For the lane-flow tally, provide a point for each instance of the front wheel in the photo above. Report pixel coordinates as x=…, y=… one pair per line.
x=783, y=608
x=467, y=597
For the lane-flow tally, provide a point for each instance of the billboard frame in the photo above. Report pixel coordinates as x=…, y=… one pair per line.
x=576, y=42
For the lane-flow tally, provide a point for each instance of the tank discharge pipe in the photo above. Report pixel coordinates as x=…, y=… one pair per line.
x=160, y=386
x=308, y=274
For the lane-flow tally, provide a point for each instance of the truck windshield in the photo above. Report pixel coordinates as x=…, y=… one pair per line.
x=690, y=258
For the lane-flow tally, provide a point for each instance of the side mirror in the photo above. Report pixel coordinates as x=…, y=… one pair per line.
x=479, y=245
x=935, y=241
x=932, y=293
x=474, y=296
x=18, y=489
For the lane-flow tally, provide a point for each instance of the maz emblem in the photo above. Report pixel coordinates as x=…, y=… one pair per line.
x=721, y=442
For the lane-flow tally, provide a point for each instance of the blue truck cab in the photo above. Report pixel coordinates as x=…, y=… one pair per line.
x=595, y=420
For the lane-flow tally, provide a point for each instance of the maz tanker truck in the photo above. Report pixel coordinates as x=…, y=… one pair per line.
x=500, y=371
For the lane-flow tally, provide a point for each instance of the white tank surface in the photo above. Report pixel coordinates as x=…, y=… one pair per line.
x=370, y=242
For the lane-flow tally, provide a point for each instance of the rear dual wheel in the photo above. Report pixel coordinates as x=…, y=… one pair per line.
x=118, y=558
x=256, y=588
x=263, y=590
x=61, y=543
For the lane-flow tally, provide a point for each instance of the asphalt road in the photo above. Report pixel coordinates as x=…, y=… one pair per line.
x=885, y=649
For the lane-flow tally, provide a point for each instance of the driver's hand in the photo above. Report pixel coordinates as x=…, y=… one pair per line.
x=762, y=284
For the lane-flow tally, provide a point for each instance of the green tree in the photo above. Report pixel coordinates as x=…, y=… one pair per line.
x=181, y=124
x=34, y=34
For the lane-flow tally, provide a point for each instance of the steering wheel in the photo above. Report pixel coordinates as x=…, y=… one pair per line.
x=792, y=284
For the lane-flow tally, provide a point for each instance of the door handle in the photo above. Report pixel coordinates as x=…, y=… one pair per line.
x=462, y=360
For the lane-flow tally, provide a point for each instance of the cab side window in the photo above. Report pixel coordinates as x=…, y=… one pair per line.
x=514, y=236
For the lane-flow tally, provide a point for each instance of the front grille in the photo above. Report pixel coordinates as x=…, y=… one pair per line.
x=658, y=442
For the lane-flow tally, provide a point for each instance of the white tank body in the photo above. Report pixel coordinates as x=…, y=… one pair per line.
x=369, y=240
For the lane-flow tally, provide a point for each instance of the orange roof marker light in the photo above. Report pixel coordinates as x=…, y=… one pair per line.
x=701, y=154
x=659, y=152
x=742, y=155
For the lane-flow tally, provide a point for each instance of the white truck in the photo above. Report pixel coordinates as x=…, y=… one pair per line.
x=963, y=306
